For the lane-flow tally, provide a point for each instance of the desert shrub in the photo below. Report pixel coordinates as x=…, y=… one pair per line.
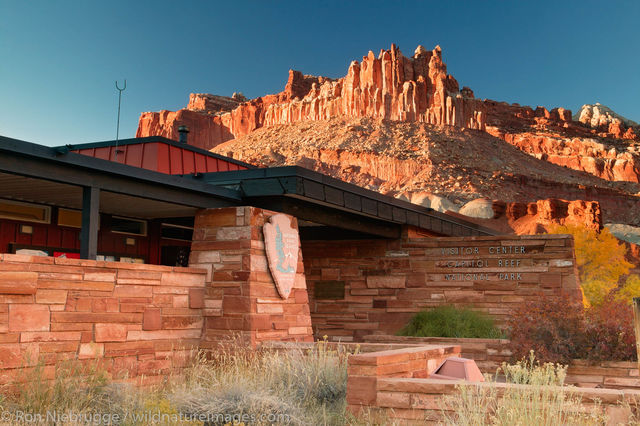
x=451, y=321
x=609, y=332
x=559, y=330
x=553, y=327
x=543, y=401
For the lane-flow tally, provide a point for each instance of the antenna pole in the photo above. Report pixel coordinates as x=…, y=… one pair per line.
x=118, y=125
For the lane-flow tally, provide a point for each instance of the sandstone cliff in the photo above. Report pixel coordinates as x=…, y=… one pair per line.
x=389, y=86
x=402, y=126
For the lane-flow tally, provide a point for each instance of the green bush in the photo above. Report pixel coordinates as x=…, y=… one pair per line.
x=451, y=321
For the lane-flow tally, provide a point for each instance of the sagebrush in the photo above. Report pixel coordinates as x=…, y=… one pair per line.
x=451, y=321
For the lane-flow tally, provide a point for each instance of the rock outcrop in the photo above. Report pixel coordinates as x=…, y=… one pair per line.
x=603, y=151
x=533, y=218
x=389, y=86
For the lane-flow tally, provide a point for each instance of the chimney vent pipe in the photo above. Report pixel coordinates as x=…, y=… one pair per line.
x=184, y=132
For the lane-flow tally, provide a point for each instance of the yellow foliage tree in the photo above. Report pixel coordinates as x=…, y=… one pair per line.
x=629, y=290
x=600, y=258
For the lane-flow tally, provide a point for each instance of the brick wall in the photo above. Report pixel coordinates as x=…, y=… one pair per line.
x=242, y=298
x=137, y=320
x=386, y=282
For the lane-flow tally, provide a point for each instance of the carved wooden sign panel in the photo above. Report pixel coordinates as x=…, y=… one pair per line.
x=281, y=243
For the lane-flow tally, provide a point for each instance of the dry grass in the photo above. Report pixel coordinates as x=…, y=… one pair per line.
x=542, y=401
x=295, y=387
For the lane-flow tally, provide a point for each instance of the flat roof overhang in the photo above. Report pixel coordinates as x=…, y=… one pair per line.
x=321, y=199
x=57, y=177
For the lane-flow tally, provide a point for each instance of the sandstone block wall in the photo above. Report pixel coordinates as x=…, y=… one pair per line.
x=386, y=282
x=425, y=401
x=364, y=370
x=241, y=298
x=135, y=320
x=489, y=354
x=395, y=383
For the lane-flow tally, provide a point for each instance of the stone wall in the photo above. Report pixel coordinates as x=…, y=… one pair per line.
x=395, y=384
x=365, y=370
x=241, y=295
x=365, y=287
x=410, y=401
x=136, y=320
x=489, y=354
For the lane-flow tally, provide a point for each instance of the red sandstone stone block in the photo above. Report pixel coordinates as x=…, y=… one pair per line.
x=16, y=298
x=74, y=285
x=51, y=296
x=301, y=296
x=46, y=336
x=220, y=245
x=152, y=319
x=111, y=332
x=58, y=347
x=18, y=282
x=100, y=276
x=94, y=317
x=386, y=281
x=90, y=350
x=133, y=307
x=361, y=390
x=138, y=274
x=196, y=298
x=128, y=348
x=10, y=356
x=231, y=304
x=182, y=279
x=86, y=336
x=300, y=331
x=170, y=335
x=133, y=291
x=83, y=304
x=177, y=301
x=29, y=317
x=264, y=308
x=393, y=399
x=181, y=322
x=225, y=323
x=71, y=326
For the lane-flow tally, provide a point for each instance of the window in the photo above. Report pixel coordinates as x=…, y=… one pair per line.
x=176, y=232
x=124, y=225
x=17, y=210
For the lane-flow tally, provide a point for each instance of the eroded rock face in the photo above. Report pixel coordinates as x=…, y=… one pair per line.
x=389, y=86
x=609, y=150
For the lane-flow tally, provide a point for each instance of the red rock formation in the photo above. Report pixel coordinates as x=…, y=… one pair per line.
x=390, y=86
x=553, y=136
x=541, y=216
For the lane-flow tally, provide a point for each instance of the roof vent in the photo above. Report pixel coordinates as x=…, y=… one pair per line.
x=183, y=131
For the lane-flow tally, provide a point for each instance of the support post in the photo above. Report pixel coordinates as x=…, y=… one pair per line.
x=636, y=325
x=90, y=222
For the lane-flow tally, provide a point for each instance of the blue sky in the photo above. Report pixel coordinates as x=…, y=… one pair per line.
x=59, y=60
